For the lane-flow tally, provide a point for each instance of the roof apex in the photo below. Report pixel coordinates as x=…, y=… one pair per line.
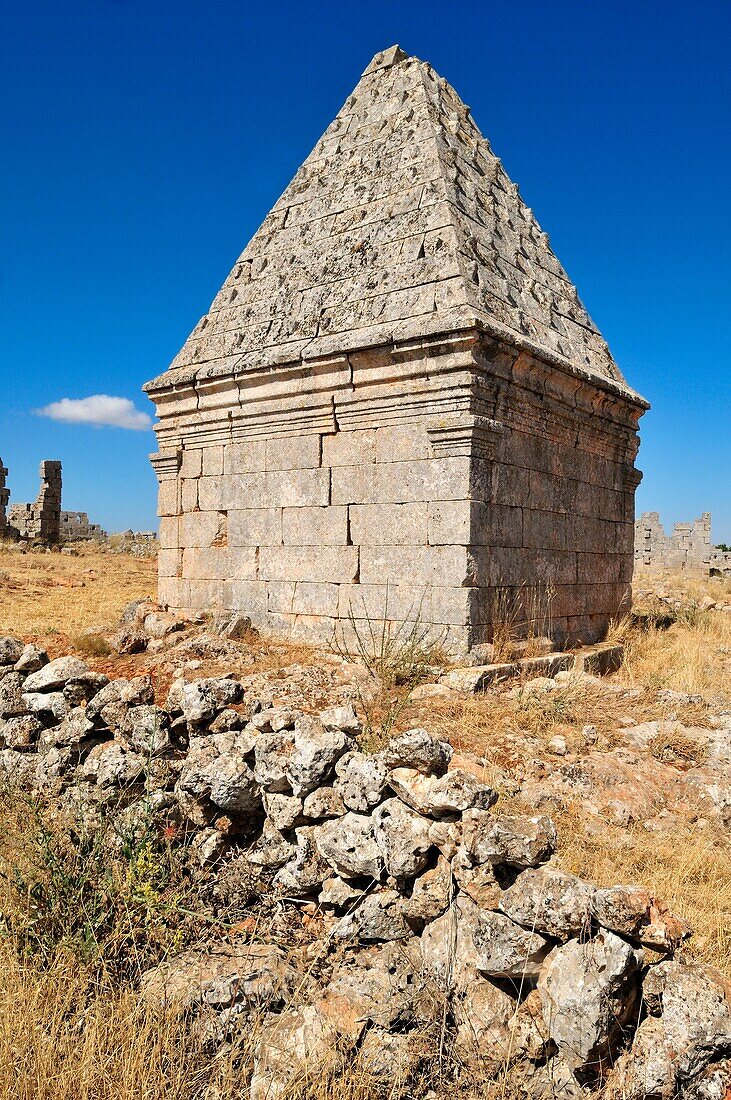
x=385, y=59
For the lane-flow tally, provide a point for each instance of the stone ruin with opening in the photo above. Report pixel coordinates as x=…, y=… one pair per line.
x=41, y=520
x=688, y=547
x=397, y=406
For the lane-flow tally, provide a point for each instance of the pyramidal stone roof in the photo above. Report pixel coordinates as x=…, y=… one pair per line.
x=401, y=223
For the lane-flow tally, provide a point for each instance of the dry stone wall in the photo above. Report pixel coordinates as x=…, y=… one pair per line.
x=439, y=905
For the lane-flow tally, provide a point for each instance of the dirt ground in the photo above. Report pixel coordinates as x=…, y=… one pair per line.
x=52, y=597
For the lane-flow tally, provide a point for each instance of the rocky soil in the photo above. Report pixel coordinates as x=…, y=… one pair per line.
x=397, y=901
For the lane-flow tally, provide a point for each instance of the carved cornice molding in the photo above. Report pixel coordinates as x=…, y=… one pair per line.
x=468, y=435
x=166, y=464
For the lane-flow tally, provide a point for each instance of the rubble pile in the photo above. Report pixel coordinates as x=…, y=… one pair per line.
x=446, y=920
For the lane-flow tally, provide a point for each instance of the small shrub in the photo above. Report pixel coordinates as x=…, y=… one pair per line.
x=676, y=747
x=91, y=645
x=106, y=892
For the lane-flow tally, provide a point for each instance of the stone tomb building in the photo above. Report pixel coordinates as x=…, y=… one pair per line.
x=397, y=400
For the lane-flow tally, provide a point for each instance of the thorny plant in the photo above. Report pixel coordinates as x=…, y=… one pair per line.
x=397, y=653
x=107, y=889
x=523, y=614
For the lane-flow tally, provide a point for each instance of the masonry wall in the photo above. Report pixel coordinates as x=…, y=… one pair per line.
x=458, y=520
x=687, y=547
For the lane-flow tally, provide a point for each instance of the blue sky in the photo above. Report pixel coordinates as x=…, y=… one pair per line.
x=142, y=144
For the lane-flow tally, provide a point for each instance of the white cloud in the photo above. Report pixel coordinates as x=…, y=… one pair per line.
x=101, y=409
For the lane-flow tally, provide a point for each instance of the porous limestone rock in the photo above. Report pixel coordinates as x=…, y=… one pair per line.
x=350, y=846
x=504, y=949
x=517, y=841
x=362, y=780
x=420, y=750
x=550, y=902
x=639, y=915
x=441, y=796
x=403, y=837
x=57, y=674
x=589, y=992
x=377, y=918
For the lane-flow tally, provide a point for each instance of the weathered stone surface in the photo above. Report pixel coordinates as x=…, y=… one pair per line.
x=443, y=795
x=201, y=700
x=283, y=810
x=350, y=846
x=147, y=730
x=447, y=945
x=306, y=871
x=217, y=769
x=47, y=705
x=589, y=991
x=31, y=659
x=362, y=780
x=431, y=894
x=255, y=975
x=377, y=986
x=109, y=765
x=420, y=750
x=159, y=624
x=504, y=949
x=514, y=840
x=403, y=837
x=324, y=802
x=315, y=752
x=637, y=914
x=272, y=753
x=675, y=1048
x=12, y=701
x=20, y=732
x=294, y=1046
x=56, y=674
x=10, y=651
x=550, y=902
x=378, y=918
x=483, y=1013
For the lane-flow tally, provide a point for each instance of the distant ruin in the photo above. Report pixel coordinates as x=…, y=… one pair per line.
x=75, y=527
x=688, y=548
x=43, y=520
x=4, y=498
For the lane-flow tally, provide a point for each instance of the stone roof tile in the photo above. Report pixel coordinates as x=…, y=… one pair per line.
x=402, y=220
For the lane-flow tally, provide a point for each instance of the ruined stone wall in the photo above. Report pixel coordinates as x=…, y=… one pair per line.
x=75, y=526
x=404, y=499
x=4, y=497
x=687, y=547
x=41, y=520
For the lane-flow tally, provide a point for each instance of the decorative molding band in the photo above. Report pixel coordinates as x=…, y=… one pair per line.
x=467, y=435
x=166, y=464
x=631, y=478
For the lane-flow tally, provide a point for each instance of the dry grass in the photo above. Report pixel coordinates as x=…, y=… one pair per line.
x=688, y=867
x=51, y=595
x=62, y=1038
